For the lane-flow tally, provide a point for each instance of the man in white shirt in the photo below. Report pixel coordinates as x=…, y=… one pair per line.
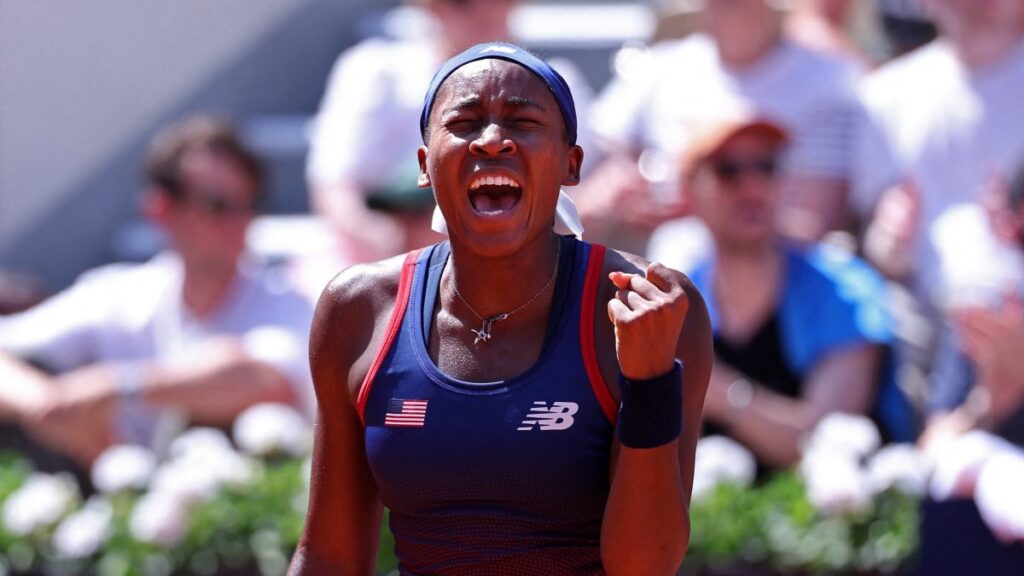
x=946, y=120
x=195, y=335
x=740, y=60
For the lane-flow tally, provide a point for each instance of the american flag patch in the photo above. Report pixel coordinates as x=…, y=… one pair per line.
x=405, y=413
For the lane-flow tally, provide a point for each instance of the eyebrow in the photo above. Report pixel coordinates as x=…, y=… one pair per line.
x=474, y=101
x=524, y=102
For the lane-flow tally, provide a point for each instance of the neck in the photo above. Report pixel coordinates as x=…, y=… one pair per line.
x=492, y=286
x=450, y=43
x=741, y=50
x=204, y=288
x=747, y=261
x=746, y=287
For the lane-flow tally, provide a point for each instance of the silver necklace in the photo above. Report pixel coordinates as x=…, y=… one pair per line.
x=484, y=333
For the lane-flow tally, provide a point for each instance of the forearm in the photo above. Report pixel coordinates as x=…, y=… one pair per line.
x=646, y=527
x=772, y=426
x=218, y=395
x=23, y=389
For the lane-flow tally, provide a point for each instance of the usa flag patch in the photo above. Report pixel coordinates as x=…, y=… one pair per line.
x=405, y=413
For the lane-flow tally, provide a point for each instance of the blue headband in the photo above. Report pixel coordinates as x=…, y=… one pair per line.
x=512, y=53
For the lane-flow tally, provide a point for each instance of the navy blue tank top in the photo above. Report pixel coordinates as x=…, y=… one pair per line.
x=507, y=477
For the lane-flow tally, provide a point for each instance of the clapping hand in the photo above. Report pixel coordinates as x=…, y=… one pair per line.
x=994, y=340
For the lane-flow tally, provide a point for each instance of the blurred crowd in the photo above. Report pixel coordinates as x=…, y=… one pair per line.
x=842, y=179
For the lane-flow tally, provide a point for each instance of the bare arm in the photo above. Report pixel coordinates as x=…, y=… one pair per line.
x=343, y=520
x=76, y=412
x=773, y=425
x=224, y=382
x=646, y=526
x=23, y=389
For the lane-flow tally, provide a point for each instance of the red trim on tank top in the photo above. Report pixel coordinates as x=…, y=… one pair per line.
x=590, y=363
x=394, y=323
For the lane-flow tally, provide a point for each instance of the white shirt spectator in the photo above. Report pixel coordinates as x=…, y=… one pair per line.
x=129, y=313
x=683, y=83
x=943, y=127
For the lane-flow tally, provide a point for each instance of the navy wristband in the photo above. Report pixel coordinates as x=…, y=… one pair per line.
x=651, y=412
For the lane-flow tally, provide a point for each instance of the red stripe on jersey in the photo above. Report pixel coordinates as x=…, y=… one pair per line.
x=394, y=323
x=597, y=382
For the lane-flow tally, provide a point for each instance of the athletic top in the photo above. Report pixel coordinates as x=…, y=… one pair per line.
x=508, y=477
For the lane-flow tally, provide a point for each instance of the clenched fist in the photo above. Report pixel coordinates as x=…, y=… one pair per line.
x=647, y=313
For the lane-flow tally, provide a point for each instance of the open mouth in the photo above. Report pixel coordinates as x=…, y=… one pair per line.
x=494, y=195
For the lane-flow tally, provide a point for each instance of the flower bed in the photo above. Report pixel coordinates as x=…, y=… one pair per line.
x=217, y=507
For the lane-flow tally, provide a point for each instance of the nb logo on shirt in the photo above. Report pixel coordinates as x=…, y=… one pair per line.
x=558, y=416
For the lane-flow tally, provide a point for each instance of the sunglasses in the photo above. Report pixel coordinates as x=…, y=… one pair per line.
x=730, y=170
x=216, y=205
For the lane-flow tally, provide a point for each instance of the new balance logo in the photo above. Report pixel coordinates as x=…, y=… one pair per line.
x=558, y=416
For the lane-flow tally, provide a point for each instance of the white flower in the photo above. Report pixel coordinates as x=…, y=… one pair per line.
x=850, y=433
x=899, y=466
x=123, y=467
x=999, y=497
x=271, y=428
x=159, y=518
x=81, y=534
x=41, y=501
x=200, y=474
x=957, y=462
x=202, y=461
x=720, y=459
x=207, y=442
x=835, y=482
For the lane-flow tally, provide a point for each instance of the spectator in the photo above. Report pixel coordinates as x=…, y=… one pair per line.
x=798, y=332
x=650, y=110
x=944, y=119
x=976, y=436
x=196, y=334
x=363, y=152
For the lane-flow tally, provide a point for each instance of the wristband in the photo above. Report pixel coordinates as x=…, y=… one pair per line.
x=651, y=413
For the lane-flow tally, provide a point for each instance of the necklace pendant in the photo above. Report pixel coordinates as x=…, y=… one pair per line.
x=484, y=333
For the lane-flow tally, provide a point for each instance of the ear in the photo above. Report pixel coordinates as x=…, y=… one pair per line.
x=572, y=178
x=423, y=180
x=156, y=205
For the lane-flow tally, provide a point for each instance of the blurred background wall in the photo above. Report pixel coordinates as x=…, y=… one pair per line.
x=83, y=85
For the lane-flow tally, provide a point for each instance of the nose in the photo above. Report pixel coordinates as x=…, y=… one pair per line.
x=492, y=141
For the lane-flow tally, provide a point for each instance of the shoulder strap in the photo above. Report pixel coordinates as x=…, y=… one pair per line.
x=394, y=323
x=590, y=285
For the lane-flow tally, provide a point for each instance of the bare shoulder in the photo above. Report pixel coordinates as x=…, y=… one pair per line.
x=350, y=318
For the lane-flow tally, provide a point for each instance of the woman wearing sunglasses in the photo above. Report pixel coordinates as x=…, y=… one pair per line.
x=799, y=331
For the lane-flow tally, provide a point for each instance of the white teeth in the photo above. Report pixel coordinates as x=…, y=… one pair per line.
x=493, y=181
